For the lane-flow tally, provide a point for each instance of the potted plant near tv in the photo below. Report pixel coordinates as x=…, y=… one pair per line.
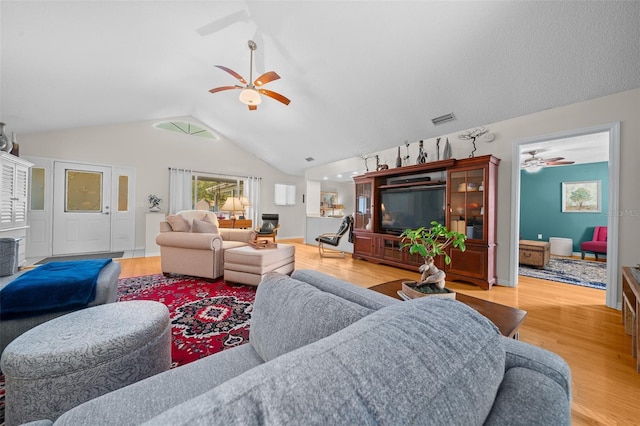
x=430, y=243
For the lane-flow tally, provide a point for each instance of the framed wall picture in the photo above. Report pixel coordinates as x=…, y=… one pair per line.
x=581, y=197
x=328, y=199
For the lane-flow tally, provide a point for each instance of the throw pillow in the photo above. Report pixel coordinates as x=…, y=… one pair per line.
x=204, y=227
x=267, y=226
x=178, y=223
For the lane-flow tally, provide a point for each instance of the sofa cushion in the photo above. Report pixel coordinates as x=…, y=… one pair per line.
x=204, y=227
x=178, y=223
x=352, y=292
x=189, y=215
x=288, y=314
x=426, y=361
x=515, y=405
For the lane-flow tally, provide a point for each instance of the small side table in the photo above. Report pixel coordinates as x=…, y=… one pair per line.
x=533, y=253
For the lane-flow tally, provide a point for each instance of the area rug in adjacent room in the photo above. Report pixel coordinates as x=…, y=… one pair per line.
x=207, y=316
x=585, y=273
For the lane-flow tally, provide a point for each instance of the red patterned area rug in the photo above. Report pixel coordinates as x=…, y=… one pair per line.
x=207, y=316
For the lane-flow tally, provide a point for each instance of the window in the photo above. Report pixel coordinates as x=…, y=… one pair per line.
x=214, y=190
x=37, y=188
x=84, y=191
x=123, y=193
x=186, y=128
x=285, y=195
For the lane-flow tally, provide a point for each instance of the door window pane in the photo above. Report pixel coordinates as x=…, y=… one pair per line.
x=83, y=191
x=37, y=188
x=123, y=193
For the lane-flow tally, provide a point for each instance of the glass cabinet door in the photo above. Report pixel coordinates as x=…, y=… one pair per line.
x=364, y=206
x=467, y=202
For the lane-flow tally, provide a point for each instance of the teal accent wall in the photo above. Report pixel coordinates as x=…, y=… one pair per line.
x=541, y=203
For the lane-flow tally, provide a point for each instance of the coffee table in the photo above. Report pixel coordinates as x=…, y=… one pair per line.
x=506, y=318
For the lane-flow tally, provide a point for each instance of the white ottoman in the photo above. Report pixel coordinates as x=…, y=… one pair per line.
x=79, y=356
x=247, y=265
x=561, y=246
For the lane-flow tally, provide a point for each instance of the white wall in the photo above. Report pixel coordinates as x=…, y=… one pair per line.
x=152, y=151
x=622, y=107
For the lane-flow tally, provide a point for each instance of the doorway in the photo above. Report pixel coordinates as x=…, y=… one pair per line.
x=559, y=140
x=80, y=208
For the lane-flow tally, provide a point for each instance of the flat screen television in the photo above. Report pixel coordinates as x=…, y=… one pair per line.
x=414, y=207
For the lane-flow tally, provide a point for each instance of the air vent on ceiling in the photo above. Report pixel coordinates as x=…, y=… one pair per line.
x=443, y=119
x=309, y=158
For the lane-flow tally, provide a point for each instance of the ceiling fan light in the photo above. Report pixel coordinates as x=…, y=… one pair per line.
x=534, y=169
x=250, y=97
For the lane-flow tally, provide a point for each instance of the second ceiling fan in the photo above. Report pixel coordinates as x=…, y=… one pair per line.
x=250, y=94
x=535, y=163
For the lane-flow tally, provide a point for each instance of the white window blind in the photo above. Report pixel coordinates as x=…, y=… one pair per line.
x=285, y=195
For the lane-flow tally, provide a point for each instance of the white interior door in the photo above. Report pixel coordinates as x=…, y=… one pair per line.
x=81, y=208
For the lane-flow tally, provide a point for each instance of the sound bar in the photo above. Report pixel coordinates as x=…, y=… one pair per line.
x=410, y=180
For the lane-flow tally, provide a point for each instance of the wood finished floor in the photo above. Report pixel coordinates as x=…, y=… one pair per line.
x=569, y=320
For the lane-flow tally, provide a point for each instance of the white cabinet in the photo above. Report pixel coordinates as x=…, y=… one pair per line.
x=14, y=192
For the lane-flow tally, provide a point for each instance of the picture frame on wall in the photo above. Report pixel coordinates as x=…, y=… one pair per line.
x=582, y=197
x=328, y=199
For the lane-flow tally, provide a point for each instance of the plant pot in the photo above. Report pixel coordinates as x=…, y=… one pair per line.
x=408, y=288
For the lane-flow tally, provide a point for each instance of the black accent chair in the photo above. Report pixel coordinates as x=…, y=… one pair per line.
x=269, y=226
x=334, y=239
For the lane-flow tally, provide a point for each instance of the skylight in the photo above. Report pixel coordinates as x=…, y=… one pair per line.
x=186, y=128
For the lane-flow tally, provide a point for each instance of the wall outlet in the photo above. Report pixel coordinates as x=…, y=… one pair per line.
x=539, y=236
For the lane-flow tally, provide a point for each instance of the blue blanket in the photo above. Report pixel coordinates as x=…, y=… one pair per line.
x=54, y=286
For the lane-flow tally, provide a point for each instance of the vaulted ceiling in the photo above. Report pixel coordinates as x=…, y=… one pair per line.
x=361, y=76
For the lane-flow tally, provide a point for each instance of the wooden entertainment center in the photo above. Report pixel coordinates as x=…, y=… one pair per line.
x=470, y=187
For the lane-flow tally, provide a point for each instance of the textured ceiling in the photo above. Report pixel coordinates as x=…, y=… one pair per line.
x=362, y=76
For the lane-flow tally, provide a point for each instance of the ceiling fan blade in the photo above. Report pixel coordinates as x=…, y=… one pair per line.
x=222, y=23
x=252, y=107
x=276, y=96
x=233, y=73
x=551, y=160
x=266, y=78
x=559, y=163
x=220, y=89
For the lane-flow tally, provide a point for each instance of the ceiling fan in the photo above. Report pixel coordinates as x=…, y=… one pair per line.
x=250, y=94
x=534, y=163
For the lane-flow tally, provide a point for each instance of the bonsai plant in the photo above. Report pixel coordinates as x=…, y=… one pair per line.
x=430, y=243
x=154, y=203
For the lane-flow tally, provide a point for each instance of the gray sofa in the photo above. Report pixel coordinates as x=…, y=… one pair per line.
x=323, y=351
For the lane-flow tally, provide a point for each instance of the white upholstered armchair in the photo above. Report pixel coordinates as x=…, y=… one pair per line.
x=192, y=244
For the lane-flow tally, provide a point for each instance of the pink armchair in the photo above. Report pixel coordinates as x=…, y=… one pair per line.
x=598, y=245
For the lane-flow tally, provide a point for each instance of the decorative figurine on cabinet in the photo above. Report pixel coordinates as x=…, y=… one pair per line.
x=422, y=156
